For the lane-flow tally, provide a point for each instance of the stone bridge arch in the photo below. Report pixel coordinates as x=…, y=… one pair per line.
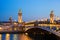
x=46, y=31
x=36, y=29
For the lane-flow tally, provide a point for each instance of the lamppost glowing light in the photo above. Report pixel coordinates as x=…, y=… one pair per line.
x=15, y=24
x=0, y=28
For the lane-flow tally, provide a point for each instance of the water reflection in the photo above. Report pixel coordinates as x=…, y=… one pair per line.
x=11, y=36
x=15, y=36
x=0, y=36
x=7, y=36
x=3, y=36
x=24, y=37
x=28, y=36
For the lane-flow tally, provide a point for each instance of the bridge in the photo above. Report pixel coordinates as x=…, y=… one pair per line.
x=21, y=29
x=44, y=26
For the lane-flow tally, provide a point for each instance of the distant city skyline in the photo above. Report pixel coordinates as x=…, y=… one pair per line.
x=31, y=9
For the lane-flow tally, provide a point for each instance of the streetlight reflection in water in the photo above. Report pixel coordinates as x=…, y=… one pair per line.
x=24, y=37
x=14, y=37
x=0, y=37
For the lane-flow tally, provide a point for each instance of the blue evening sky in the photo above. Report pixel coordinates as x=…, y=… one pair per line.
x=31, y=9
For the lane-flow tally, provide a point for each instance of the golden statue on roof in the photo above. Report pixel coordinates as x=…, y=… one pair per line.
x=20, y=10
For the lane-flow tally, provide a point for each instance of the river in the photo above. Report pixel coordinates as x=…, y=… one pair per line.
x=24, y=36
